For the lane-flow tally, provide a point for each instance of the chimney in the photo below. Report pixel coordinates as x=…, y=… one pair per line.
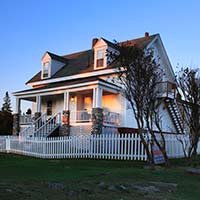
x=94, y=41
x=146, y=34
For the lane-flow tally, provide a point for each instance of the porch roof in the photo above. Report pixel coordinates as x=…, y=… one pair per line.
x=66, y=84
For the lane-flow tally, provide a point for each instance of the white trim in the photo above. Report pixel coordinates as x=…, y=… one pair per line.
x=110, y=89
x=38, y=103
x=167, y=58
x=76, y=87
x=18, y=105
x=83, y=75
x=98, y=98
x=66, y=100
x=56, y=88
x=94, y=98
x=158, y=38
x=104, y=57
x=148, y=46
x=80, y=123
x=49, y=70
x=55, y=92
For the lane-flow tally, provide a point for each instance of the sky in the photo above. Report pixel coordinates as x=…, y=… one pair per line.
x=28, y=28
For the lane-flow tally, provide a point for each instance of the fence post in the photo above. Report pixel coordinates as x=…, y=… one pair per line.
x=7, y=144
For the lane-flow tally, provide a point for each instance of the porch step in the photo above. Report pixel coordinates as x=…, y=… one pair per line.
x=42, y=127
x=176, y=115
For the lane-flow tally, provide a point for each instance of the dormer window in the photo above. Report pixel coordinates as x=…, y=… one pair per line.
x=100, y=58
x=46, y=70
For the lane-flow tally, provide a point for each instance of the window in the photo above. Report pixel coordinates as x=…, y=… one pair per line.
x=100, y=58
x=49, y=107
x=46, y=70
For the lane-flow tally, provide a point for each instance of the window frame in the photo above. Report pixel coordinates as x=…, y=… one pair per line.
x=48, y=70
x=103, y=58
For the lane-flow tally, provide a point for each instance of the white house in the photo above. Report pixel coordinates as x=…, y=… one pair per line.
x=75, y=93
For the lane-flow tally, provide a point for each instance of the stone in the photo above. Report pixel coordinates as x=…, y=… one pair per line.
x=86, y=190
x=193, y=171
x=102, y=184
x=97, y=121
x=112, y=188
x=164, y=184
x=66, y=117
x=104, y=174
x=123, y=188
x=55, y=185
x=9, y=190
x=147, y=189
x=72, y=194
x=64, y=129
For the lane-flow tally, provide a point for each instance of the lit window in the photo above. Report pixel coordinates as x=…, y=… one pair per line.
x=46, y=70
x=100, y=58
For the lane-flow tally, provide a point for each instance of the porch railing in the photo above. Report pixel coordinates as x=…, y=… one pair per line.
x=33, y=126
x=80, y=116
x=26, y=119
x=49, y=126
x=42, y=127
x=167, y=89
x=111, y=118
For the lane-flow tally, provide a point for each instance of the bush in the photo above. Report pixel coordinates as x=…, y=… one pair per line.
x=6, y=123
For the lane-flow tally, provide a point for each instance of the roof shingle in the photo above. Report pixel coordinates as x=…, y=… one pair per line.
x=81, y=62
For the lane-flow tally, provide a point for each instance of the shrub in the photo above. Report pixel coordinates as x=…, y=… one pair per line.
x=6, y=123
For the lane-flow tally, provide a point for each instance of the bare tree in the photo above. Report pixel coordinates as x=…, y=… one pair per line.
x=189, y=84
x=152, y=114
x=139, y=73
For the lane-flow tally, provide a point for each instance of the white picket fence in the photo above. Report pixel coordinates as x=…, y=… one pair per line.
x=110, y=146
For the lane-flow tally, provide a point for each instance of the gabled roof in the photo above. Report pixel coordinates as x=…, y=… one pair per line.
x=81, y=62
x=139, y=42
x=56, y=57
x=110, y=44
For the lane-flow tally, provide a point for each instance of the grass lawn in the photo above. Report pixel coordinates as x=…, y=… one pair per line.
x=28, y=178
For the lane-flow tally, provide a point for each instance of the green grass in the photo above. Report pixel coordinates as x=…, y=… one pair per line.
x=28, y=178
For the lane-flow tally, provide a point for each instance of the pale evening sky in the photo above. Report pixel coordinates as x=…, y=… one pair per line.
x=30, y=27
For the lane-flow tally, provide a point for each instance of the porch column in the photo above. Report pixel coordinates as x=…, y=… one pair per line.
x=66, y=101
x=18, y=105
x=94, y=98
x=38, y=107
x=38, y=103
x=16, y=117
x=99, y=92
x=97, y=112
x=65, y=127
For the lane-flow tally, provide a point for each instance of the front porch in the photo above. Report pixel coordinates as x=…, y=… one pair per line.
x=79, y=103
x=80, y=107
